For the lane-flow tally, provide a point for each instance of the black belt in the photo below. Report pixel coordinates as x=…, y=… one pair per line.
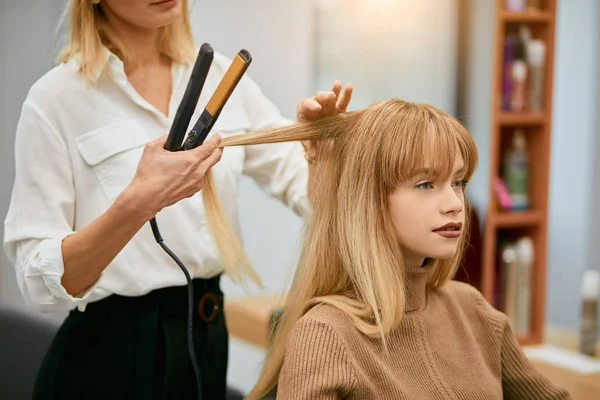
x=171, y=301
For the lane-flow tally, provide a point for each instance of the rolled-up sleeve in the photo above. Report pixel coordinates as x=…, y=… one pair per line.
x=41, y=213
x=279, y=169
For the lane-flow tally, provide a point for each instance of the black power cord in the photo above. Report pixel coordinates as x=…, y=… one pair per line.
x=190, y=327
x=195, y=138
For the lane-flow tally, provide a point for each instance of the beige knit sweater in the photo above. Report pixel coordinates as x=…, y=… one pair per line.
x=451, y=344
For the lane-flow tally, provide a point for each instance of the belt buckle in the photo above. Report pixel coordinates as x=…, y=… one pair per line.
x=208, y=296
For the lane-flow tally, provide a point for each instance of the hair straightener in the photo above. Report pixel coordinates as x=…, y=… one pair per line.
x=213, y=109
x=194, y=139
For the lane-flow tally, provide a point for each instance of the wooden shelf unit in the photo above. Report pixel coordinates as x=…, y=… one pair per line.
x=536, y=126
x=520, y=119
x=527, y=17
x=516, y=219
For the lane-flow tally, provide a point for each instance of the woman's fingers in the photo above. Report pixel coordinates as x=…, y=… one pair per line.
x=327, y=100
x=210, y=161
x=344, y=100
x=308, y=110
x=206, y=149
x=336, y=88
x=325, y=103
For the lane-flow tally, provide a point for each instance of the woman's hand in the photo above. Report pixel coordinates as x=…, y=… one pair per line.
x=163, y=177
x=324, y=104
x=321, y=105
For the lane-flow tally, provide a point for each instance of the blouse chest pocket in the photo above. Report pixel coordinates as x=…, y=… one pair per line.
x=113, y=153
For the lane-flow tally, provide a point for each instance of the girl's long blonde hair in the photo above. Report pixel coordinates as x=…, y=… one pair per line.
x=351, y=256
x=88, y=32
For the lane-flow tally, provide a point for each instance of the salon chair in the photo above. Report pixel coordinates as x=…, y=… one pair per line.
x=24, y=340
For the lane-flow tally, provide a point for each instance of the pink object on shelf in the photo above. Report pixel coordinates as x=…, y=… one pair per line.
x=502, y=194
x=515, y=5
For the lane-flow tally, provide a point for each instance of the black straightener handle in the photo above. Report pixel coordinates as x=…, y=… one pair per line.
x=190, y=98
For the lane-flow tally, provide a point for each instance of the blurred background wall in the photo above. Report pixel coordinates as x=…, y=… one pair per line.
x=434, y=51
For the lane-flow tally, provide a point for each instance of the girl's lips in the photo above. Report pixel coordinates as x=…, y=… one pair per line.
x=449, y=234
x=165, y=3
x=450, y=227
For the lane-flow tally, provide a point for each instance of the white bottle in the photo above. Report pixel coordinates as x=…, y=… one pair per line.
x=524, y=250
x=509, y=268
x=536, y=53
x=589, y=311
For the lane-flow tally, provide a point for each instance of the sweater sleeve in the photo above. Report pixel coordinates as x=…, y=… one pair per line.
x=316, y=364
x=520, y=379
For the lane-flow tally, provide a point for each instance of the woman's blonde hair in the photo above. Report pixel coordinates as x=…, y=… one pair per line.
x=351, y=257
x=88, y=32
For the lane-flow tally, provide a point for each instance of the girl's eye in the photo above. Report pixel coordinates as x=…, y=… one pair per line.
x=425, y=185
x=460, y=184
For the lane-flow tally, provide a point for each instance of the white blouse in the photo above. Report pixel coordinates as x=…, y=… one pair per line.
x=78, y=146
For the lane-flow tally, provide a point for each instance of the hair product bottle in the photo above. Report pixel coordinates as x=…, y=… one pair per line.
x=509, y=275
x=524, y=252
x=510, y=43
x=589, y=312
x=536, y=51
x=516, y=169
x=518, y=79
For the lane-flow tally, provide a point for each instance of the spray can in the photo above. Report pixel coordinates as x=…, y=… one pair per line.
x=589, y=311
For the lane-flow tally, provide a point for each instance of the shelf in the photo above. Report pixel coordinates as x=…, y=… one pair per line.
x=516, y=219
x=526, y=118
x=526, y=17
x=527, y=340
x=506, y=225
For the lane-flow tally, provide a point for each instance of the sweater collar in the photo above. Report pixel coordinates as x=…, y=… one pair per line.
x=416, y=288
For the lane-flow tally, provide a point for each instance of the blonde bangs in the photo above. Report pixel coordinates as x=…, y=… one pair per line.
x=423, y=138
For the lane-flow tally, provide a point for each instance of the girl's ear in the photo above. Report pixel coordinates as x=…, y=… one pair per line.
x=309, y=150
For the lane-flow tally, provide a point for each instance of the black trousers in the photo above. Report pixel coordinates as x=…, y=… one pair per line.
x=136, y=348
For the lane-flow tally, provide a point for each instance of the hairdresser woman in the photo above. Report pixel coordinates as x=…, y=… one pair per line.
x=91, y=172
